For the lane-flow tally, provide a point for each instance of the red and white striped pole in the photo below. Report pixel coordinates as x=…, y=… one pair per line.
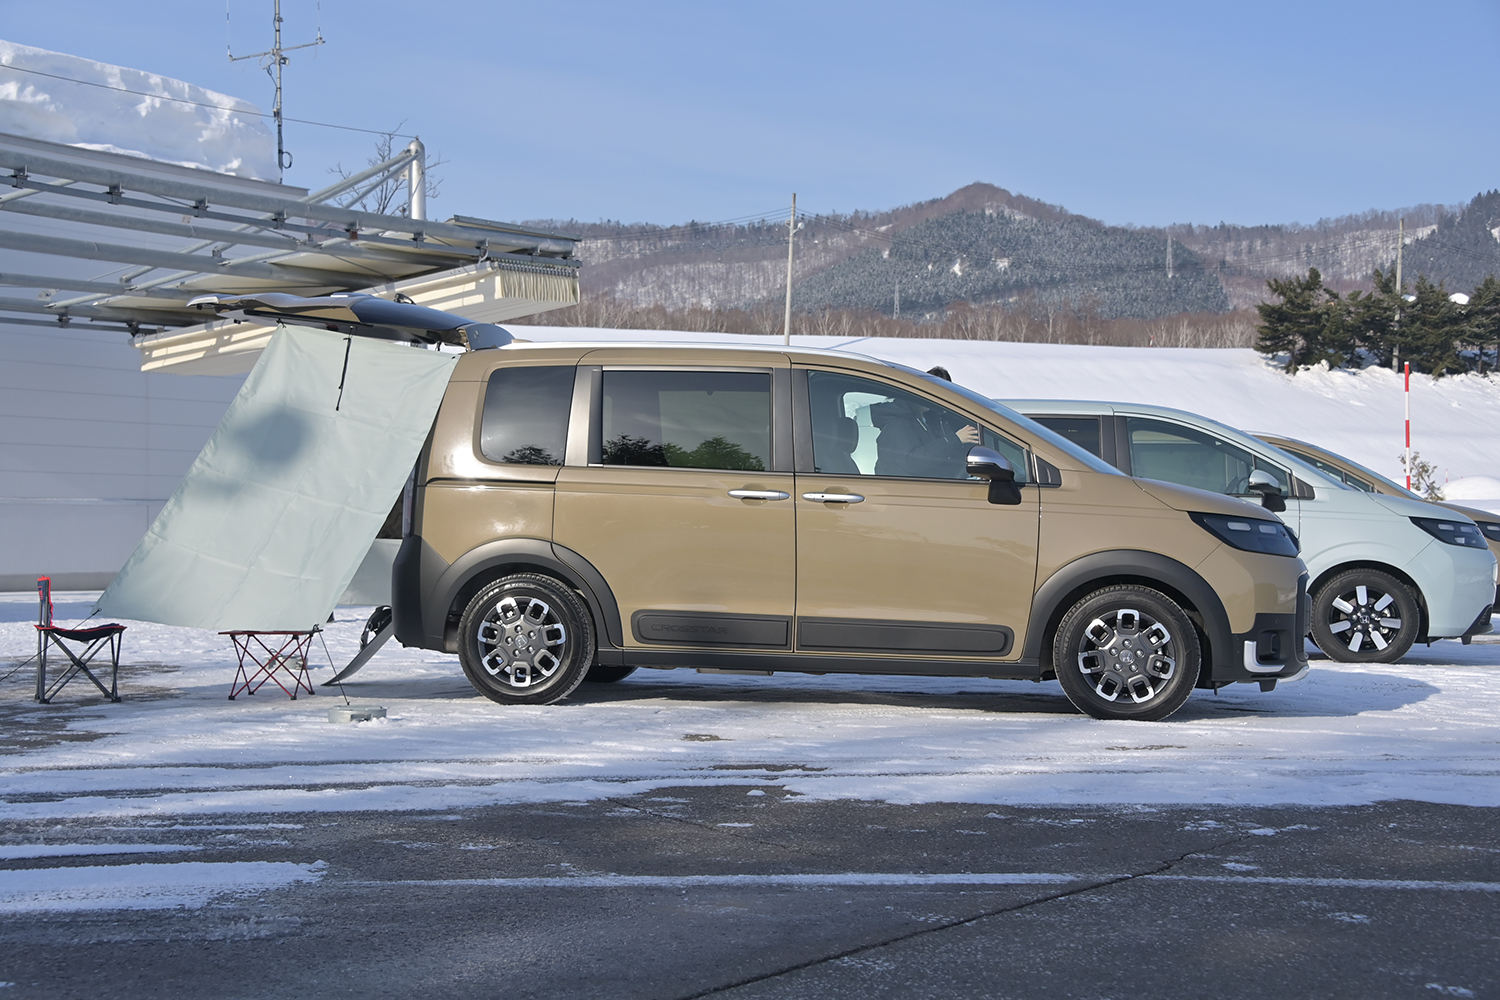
x=1408, y=424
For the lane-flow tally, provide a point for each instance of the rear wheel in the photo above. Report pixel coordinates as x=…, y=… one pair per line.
x=525, y=640
x=1127, y=652
x=1365, y=616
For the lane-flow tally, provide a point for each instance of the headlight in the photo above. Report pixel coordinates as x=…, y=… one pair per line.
x=1249, y=533
x=1490, y=529
x=1452, y=532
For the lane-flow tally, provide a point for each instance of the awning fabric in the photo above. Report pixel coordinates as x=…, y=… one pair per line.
x=272, y=520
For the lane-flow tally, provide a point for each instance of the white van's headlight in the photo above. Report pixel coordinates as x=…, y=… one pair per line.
x=1252, y=534
x=1452, y=532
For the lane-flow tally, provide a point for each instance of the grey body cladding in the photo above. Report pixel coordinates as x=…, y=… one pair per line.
x=903, y=637
x=696, y=629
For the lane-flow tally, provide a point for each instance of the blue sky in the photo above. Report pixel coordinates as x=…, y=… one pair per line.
x=1144, y=113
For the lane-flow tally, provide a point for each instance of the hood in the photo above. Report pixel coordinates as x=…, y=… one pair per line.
x=1186, y=498
x=1472, y=513
x=1415, y=508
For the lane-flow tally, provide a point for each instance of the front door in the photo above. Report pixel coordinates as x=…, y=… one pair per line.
x=682, y=509
x=898, y=551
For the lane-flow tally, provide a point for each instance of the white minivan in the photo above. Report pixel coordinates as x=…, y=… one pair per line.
x=1384, y=571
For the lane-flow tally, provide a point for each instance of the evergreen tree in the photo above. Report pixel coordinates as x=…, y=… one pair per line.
x=1482, y=318
x=1432, y=331
x=1310, y=324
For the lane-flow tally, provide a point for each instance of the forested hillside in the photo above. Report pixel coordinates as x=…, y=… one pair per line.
x=985, y=257
x=988, y=256
x=1460, y=251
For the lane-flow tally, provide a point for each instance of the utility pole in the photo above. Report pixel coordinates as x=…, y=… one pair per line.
x=898, y=298
x=791, y=231
x=1400, y=289
x=271, y=61
x=1169, y=255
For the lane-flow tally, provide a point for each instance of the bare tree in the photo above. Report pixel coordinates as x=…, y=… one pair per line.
x=389, y=196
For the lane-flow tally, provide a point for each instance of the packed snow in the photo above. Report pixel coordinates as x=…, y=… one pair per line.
x=1421, y=729
x=93, y=105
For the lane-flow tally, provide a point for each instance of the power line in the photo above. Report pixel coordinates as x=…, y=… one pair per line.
x=203, y=104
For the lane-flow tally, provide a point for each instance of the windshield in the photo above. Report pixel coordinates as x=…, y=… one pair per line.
x=1053, y=439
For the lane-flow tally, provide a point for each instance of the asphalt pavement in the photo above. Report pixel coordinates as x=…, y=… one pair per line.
x=749, y=891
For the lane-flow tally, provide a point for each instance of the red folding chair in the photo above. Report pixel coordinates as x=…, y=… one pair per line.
x=90, y=643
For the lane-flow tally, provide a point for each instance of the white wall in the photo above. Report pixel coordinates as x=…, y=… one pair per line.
x=90, y=449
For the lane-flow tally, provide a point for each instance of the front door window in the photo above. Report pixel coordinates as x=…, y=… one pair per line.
x=861, y=427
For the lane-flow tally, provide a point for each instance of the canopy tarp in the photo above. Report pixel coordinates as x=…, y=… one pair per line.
x=272, y=520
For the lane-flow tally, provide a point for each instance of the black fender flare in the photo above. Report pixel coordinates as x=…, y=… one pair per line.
x=1100, y=569
x=455, y=583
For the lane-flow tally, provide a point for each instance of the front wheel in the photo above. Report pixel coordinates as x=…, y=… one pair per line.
x=525, y=640
x=1127, y=652
x=1364, y=616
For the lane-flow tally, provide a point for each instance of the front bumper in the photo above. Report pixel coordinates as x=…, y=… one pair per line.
x=1273, y=649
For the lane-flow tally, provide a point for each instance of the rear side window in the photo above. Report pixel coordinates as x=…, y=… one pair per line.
x=525, y=419
x=1082, y=431
x=1190, y=457
x=687, y=419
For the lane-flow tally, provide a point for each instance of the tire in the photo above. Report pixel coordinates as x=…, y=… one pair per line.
x=1352, y=618
x=600, y=674
x=525, y=640
x=1127, y=652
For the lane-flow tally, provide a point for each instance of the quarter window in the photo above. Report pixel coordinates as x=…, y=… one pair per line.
x=865, y=428
x=525, y=420
x=1190, y=457
x=687, y=419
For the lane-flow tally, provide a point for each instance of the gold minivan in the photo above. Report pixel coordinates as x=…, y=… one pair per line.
x=581, y=510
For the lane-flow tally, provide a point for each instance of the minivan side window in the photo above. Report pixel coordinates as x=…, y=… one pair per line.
x=861, y=427
x=1082, y=431
x=525, y=419
x=1191, y=457
x=687, y=419
x=1333, y=470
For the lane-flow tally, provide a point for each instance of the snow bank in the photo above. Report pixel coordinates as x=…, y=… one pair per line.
x=1455, y=420
x=90, y=107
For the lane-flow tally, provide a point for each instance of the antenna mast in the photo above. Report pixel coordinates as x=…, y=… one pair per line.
x=271, y=61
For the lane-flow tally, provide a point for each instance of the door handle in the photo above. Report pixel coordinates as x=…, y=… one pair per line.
x=834, y=497
x=759, y=495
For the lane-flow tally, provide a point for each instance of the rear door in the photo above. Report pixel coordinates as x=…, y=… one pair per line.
x=898, y=551
x=684, y=502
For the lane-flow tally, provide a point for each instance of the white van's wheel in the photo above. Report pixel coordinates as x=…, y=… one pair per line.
x=1127, y=652
x=1364, y=616
x=525, y=640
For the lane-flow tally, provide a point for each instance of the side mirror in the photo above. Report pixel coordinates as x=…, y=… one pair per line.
x=987, y=463
x=1263, y=483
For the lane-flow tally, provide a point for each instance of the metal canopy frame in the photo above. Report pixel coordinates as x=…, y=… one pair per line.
x=180, y=232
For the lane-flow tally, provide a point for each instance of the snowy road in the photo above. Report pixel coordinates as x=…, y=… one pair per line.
x=1422, y=729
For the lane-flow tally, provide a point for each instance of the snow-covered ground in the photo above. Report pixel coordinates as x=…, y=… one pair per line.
x=1455, y=420
x=1421, y=729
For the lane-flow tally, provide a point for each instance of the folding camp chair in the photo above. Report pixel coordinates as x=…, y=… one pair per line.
x=90, y=643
